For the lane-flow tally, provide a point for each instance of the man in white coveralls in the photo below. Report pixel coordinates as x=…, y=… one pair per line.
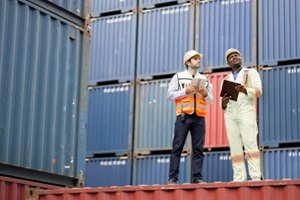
x=240, y=118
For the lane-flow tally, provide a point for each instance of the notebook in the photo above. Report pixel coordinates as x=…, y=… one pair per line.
x=228, y=88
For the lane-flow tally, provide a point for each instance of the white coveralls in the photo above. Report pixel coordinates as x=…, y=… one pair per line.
x=241, y=125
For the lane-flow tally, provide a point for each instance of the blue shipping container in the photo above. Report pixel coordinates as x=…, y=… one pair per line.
x=217, y=167
x=155, y=117
x=149, y=170
x=278, y=31
x=281, y=163
x=154, y=3
x=106, y=6
x=165, y=34
x=113, y=48
x=43, y=104
x=221, y=25
x=279, y=106
x=106, y=172
x=75, y=6
x=110, y=118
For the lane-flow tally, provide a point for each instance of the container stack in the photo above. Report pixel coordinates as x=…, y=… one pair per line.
x=279, y=59
x=44, y=65
x=111, y=93
x=165, y=33
x=221, y=25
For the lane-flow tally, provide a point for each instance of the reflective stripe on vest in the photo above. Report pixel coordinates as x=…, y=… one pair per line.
x=187, y=104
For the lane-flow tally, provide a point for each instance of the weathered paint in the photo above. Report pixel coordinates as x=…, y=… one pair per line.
x=259, y=190
x=108, y=171
x=279, y=106
x=224, y=24
x=113, y=48
x=278, y=28
x=154, y=169
x=43, y=63
x=281, y=163
x=165, y=34
x=110, y=118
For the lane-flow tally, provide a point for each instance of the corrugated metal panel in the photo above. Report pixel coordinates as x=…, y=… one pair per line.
x=223, y=25
x=75, y=6
x=217, y=167
x=215, y=126
x=155, y=117
x=153, y=3
x=113, y=48
x=281, y=163
x=16, y=189
x=112, y=171
x=105, y=6
x=259, y=190
x=278, y=27
x=110, y=114
x=40, y=87
x=279, y=119
x=149, y=170
x=165, y=34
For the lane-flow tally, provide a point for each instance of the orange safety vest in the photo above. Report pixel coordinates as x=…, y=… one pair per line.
x=191, y=102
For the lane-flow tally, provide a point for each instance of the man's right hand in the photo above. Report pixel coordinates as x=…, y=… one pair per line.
x=191, y=89
x=225, y=100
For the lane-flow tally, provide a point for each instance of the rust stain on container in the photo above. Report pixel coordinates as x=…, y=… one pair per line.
x=16, y=189
x=258, y=190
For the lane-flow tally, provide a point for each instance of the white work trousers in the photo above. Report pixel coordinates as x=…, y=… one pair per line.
x=241, y=128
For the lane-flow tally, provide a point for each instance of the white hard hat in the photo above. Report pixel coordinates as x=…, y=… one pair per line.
x=230, y=51
x=189, y=54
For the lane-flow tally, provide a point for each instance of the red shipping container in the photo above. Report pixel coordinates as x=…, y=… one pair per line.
x=258, y=190
x=215, y=126
x=15, y=189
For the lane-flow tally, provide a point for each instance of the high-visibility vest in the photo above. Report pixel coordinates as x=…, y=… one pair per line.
x=191, y=102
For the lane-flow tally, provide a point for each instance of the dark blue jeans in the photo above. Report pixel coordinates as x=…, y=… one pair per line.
x=196, y=126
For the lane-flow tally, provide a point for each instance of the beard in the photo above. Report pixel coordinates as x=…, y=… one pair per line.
x=236, y=65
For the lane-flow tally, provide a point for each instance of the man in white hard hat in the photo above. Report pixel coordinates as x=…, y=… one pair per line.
x=240, y=118
x=191, y=102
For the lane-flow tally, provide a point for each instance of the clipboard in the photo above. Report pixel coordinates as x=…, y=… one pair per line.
x=229, y=89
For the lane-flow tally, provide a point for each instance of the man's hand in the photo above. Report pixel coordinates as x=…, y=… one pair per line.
x=202, y=91
x=225, y=100
x=191, y=89
x=241, y=88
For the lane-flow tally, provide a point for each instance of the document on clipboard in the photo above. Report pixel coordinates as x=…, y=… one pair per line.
x=200, y=82
x=228, y=88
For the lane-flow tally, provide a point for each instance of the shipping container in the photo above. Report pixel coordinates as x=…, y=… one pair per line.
x=109, y=171
x=215, y=126
x=155, y=117
x=110, y=119
x=279, y=106
x=221, y=25
x=154, y=169
x=113, y=47
x=159, y=3
x=165, y=34
x=278, y=25
x=111, y=7
x=16, y=189
x=72, y=11
x=75, y=6
x=258, y=190
x=44, y=65
x=217, y=167
x=281, y=163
